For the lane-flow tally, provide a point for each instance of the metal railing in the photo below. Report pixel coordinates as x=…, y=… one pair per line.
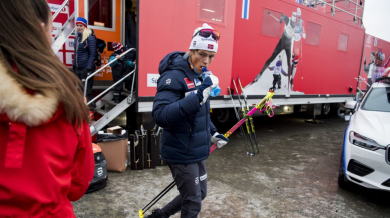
x=334, y=7
x=60, y=9
x=66, y=30
x=70, y=19
x=112, y=86
x=360, y=78
x=361, y=92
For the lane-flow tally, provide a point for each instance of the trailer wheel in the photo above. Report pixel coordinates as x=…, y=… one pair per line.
x=340, y=112
x=325, y=110
x=222, y=115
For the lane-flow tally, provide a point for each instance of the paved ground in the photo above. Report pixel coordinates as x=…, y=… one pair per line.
x=295, y=175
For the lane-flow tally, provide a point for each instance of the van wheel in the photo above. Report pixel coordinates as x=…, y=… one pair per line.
x=325, y=109
x=222, y=115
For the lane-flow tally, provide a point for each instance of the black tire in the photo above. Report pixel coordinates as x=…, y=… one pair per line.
x=326, y=109
x=223, y=115
x=343, y=183
x=340, y=112
x=297, y=108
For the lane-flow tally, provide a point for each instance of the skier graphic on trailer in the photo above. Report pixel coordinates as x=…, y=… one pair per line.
x=380, y=69
x=278, y=69
x=285, y=43
x=294, y=62
x=369, y=69
x=298, y=35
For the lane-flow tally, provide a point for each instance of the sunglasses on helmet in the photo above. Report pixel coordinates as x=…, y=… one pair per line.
x=207, y=32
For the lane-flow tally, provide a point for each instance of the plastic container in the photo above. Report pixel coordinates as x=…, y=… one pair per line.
x=216, y=90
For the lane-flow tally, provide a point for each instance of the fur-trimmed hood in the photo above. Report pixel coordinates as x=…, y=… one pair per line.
x=20, y=106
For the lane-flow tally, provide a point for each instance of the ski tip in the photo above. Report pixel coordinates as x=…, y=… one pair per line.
x=141, y=213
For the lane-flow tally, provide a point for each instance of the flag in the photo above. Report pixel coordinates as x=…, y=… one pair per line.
x=190, y=84
x=245, y=9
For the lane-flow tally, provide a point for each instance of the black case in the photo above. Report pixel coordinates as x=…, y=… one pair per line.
x=156, y=145
x=136, y=151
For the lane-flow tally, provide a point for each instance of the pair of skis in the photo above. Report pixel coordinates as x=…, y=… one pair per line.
x=264, y=104
x=250, y=128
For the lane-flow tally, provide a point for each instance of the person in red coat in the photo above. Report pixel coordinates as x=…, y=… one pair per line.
x=46, y=158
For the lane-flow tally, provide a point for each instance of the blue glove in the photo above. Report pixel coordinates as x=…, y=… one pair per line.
x=220, y=139
x=205, y=88
x=129, y=63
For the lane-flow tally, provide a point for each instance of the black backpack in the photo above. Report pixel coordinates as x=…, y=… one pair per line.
x=100, y=46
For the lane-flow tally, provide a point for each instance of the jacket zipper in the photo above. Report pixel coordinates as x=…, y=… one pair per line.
x=77, y=48
x=208, y=122
x=189, y=142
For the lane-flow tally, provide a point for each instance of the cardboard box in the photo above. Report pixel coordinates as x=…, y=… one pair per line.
x=116, y=154
x=116, y=130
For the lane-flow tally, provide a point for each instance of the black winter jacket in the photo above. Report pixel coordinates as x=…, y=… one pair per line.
x=187, y=125
x=84, y=52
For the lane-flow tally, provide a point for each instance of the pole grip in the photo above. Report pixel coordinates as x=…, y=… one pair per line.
x=141, y=214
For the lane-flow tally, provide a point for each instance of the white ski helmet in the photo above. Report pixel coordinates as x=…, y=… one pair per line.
x=299, y=13
x=294, y=16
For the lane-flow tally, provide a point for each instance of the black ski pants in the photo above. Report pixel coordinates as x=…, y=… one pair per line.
x=283, y=44
x=117, y=75
x=82, y=74
x=277, y=79
x=191, y=181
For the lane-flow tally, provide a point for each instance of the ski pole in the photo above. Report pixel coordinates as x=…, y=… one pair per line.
x=260, y=105
x=243, y=113
x=141, y=212
x=230, y=132
x=157, y=198
x=238, y=119
x=269, y=13
x=250, y=118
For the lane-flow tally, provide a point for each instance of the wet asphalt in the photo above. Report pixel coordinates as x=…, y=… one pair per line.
x=295, y=175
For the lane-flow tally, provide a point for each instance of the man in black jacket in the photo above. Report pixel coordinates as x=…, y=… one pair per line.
x=182, y=108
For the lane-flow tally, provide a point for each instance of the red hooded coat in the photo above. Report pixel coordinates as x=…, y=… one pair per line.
x=44, y=162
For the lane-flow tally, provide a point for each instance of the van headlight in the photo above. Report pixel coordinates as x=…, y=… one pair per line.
x=364, y=142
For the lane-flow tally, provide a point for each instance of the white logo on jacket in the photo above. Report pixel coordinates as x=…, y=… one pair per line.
x=168, y=82
x=190, y=93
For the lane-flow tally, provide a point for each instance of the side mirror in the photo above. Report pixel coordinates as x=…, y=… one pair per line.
x=350, y=105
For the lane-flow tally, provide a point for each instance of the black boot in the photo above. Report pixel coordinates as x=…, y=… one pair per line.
x=155, y=214
x=117, y=98
x=92, y=106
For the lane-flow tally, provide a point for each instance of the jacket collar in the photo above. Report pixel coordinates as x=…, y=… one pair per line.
x=193, y=74
x=22, y=107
